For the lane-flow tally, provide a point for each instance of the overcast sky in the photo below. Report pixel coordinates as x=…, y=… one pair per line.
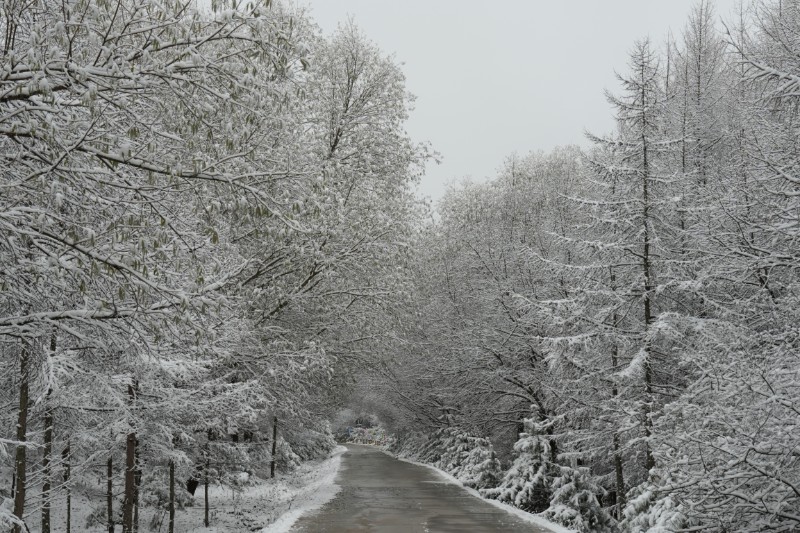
x=492, y=78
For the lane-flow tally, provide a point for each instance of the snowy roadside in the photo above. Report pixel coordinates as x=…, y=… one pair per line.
x=528, y=517
x=317, y=490
x=267, y=506
x=272, y=507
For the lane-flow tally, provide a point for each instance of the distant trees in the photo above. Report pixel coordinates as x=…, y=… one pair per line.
x=635, y=304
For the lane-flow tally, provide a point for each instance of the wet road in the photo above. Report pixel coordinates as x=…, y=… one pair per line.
x=381, y=494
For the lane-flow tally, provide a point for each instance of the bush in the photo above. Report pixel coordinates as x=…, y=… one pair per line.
x=285, y=459
x=648, y=512
x=154, y=490
x=575, y=503
x=310, y=444
x=469, y=459
x=527, y=483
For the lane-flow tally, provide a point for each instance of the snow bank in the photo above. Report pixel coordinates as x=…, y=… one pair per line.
x=267, y=505
x=311, y=496
x=528, y=517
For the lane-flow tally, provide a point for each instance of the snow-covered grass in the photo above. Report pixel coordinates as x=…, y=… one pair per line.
x=528, y=517
x=268, y=506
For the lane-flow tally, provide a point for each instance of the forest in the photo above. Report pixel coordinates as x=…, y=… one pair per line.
x=211, y=247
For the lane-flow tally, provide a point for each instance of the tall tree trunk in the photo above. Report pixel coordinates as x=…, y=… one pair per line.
x=47, y=454
x=110, y=494
x=48, y=450
x=648, y=291
x=620, y=478
x=137, y=483
x=171, y=497
x=274, y=446
x=65, y=459
x=205, y=487
x=20, y=460
x=130, y=474
x=130, y=470
x=618, y=470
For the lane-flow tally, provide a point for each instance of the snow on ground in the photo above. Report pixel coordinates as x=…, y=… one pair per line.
x=318, y=491
x=528, y=517
x=268, y=506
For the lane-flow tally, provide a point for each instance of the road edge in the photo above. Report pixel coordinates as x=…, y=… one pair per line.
x=312, y=496
x=524, y=515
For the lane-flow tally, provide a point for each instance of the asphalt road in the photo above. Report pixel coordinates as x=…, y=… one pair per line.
x=381, y=494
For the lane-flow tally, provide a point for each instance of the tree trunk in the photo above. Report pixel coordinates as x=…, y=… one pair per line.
x=20, y=460
x=137, y=482
x=110, y=494
x=620, y=479
x=65, y=460
x=274, y=446
x=130, y=473
x=47, y=453
x=618, y=472
x=205, y=488
x=130, y=470
x=48, y=450
x=648, y=292
x=171, y=497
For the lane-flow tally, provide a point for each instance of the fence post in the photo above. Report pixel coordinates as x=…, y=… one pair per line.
x=110, y=494
x=205, y=489
x=172, y=497
x=274, y=445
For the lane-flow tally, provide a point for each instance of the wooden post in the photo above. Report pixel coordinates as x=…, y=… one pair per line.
x=205, y=489
x=65, y=460
x=172, y=497
x=110, y=495
x=274, y=445
x=137, y=482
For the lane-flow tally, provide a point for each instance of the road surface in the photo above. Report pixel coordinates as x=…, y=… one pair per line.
x=383, y=495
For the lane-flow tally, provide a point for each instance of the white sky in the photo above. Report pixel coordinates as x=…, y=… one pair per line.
x=492, y=78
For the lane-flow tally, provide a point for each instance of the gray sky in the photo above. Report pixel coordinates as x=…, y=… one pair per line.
x=492, y=78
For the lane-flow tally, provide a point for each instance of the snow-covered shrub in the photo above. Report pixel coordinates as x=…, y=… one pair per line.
x=574, y=502
x=431, y=449
x=7, y=517
x=99, y=515
x=285, y=459
x=311, y=444
x=410, y=445
x=469, y=459
x=154, y=490
x=647, y=512
x=527, y=483
x=481, y=469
